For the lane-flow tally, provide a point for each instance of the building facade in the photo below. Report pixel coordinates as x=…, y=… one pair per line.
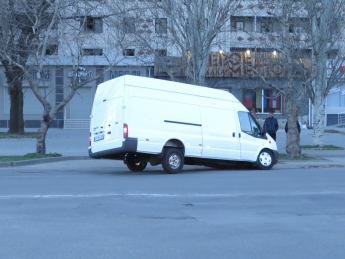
x=244, y=43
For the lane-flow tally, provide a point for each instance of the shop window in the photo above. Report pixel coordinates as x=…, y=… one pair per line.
x=262, y=100
x=336, y=96
x=224, y=88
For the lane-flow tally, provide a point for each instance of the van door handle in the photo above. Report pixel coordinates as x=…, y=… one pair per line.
x=109, y=132
x=239, y=135
x=233, y=134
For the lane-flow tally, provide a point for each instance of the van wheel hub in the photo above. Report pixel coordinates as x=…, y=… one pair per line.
x=174, y=161
x=265, y=159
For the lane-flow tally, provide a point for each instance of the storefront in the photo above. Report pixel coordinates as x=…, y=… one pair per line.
x=335, y=104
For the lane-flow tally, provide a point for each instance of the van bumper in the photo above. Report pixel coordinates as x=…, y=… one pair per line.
x=128, y=145
x=276, y=156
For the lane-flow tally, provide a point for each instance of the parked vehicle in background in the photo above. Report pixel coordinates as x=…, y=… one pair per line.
x=143, y=120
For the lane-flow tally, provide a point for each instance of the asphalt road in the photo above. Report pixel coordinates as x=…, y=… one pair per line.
x=99, y=209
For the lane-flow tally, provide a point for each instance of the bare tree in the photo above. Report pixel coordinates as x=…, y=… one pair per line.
x=279, y=40
x=305, y=34
x=326, y=28
x=180, y=33
x=16, y=28
x=74, y=26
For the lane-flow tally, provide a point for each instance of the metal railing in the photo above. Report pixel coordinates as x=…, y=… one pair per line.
x=75, y=123
x=341, y=118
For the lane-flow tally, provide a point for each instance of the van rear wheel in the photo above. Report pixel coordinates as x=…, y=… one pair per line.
x=136, y=167
x=265, y=159
x=173, y=160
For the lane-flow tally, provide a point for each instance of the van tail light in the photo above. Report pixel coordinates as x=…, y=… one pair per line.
x=125, y=130
x=90, y=140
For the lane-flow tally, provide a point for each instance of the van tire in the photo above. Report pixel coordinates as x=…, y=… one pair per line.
x=136, y=167
x=173, y=160
x=265, y=159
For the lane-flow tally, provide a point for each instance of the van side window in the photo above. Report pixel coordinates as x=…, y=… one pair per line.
x=245, y=122
x=255, y=127
x=248, y=124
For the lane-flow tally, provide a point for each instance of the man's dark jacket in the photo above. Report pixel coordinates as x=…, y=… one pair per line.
x=271, y=125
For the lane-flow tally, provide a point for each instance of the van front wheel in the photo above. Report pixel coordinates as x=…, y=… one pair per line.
x=136, y=167
x=265, y=159
x=173, y=161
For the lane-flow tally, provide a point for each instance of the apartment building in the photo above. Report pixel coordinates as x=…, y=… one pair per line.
x=244, y=43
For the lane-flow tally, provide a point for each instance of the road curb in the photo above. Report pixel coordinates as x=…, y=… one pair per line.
x=42, y=160
x=284, y=164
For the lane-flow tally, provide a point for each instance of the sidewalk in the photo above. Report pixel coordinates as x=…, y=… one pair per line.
x=325, y=158
x=64, y=142
x=73, y=145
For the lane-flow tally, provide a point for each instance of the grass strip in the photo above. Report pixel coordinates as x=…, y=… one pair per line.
x=325, y=147
x=28, y=156
x=5, y=135
x=301, y=157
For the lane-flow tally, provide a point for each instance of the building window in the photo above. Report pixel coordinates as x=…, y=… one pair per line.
x=239, y=25
x=52, y=50
x=114, y=74
x=266, y=25
x=161, y=25
x=129, y=25
x=100, y=73
x=92, y=52
x=161, y=52
x=44, y=74
x=129, y=52
x=262, y=100
x=92, y=24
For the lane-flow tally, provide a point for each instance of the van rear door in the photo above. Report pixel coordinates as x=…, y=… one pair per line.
x=107, y=117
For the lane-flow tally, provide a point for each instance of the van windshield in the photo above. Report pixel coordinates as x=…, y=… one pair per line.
x=248, y=124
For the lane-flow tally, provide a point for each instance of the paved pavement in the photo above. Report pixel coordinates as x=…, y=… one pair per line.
x=73, y=145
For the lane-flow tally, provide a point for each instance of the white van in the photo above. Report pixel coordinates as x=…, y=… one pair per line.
x=140, y=120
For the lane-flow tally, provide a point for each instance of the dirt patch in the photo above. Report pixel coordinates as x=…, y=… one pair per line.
x=334, y=131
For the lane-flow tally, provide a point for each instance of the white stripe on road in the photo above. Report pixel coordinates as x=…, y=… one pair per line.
x=158, y=195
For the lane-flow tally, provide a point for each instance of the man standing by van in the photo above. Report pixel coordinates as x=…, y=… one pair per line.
x=271, y=125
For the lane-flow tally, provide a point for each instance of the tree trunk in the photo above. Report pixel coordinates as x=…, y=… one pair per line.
x=319, y=100
x=41, y=137
x=319, y=122
x=293, y=147
x=14, y=77
x=320, y=28
x=16, y=111
x=293, y=99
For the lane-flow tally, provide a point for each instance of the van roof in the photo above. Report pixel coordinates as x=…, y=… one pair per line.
x=160, y=84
